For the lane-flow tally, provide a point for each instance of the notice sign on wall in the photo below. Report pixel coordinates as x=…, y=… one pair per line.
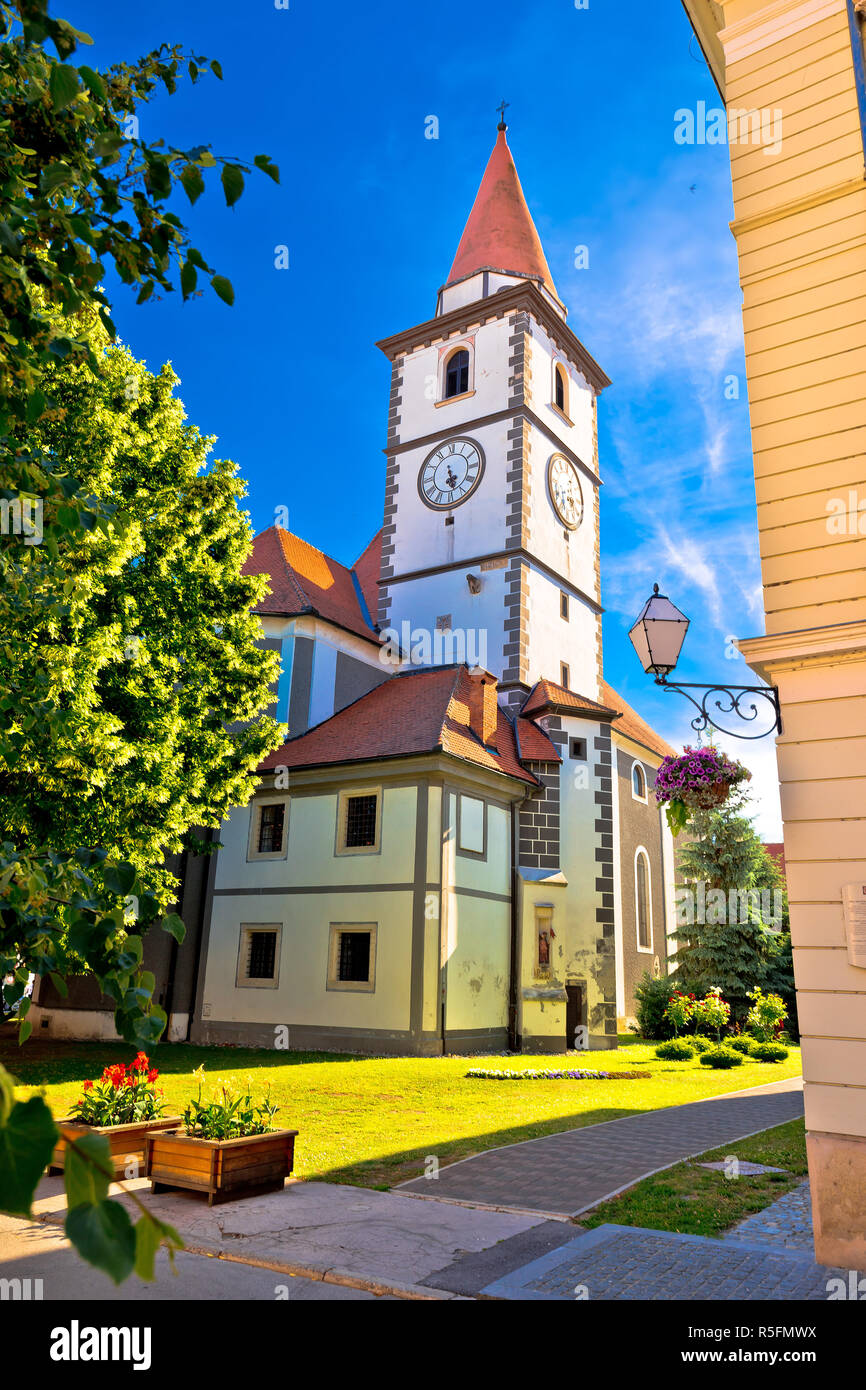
x=854, y=911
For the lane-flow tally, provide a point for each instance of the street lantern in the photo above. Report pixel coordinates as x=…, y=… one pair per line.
x=658, y=635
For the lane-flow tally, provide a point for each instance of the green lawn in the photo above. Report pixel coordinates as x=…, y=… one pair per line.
x=373, y=1121
x=696, y=1201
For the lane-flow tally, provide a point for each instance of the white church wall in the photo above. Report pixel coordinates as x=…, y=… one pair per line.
x=553, y=639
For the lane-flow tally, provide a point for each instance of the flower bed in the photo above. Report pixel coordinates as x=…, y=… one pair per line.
x=226, y=1148
x=477, y=1074
x=125, y=1106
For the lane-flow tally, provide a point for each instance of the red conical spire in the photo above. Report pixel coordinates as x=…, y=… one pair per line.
x=500, y=233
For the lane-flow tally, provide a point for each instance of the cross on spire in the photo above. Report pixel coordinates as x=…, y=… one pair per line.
x=501, y=109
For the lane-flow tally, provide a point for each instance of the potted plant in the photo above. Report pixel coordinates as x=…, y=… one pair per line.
x=124, y=1105
x=226, y=1148
x=699, y=779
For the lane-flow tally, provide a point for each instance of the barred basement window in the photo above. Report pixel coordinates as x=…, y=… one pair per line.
x=259, y=956
x=271, y=822
x=352, y=956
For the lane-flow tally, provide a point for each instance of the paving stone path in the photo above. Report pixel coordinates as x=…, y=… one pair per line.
x=788, y=1222
x=566, y=1174
x=627, y=1263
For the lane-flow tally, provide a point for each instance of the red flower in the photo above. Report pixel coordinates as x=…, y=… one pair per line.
x=88, y=1085
x=152, y=1074
x=141, y=1062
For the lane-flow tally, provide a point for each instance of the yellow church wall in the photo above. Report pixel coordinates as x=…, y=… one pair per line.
x=800, y=226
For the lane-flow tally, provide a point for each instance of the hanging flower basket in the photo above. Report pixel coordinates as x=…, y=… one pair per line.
x=700, y=779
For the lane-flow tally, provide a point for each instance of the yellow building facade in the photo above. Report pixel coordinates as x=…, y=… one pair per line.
x=795, y=72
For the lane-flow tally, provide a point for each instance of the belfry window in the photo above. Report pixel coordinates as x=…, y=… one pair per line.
x=559, y=389
x=457, y=374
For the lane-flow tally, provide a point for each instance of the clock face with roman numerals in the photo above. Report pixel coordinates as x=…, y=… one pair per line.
x=450, y=473
x=565, y=492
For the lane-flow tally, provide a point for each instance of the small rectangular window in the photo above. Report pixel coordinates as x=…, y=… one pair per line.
x=361, y=821
x=352, y=956
x=577, y=749
x=564, y=676
x=271, y=821
x=471, y=826
x=259, y=956
x=563, y=606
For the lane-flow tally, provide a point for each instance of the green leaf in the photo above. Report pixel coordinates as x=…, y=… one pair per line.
x=63, y=84
x=104, y=1236
x=188, y=279
x=93, y=82
x=59, y=984
x=149, y=1028
x=119, y=878
x=216, y=69
x=148, y=1239
x=264, y=162
x=27, y=1138
x=174, y=926
x=25, y=1028
x=233, y=183
x=223, y=288
x=192, y=181
x=86, y=1169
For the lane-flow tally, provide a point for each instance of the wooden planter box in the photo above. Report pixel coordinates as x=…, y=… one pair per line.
x=226, y=1169
x=126, y=1141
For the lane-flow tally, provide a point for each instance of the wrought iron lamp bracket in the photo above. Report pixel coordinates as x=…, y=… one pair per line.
x=717, y=701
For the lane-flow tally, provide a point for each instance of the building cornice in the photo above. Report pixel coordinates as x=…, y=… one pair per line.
x=525, y=296
x=773, y=24
x=519, y=553
x=515, y=412
x=707, y=20
x=817, y=645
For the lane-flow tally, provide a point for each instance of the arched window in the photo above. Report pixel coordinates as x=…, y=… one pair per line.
x=559, y=389
x=642, y=902
x=638, y=782
x=457, y=374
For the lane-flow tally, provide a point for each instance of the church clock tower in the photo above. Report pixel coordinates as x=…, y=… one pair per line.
x=491, y=535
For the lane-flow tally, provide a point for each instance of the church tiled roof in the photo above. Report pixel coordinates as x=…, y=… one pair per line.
x=632, y=726
x=422, y=711
x=306, y=580
x=548, y=697
x=500, y=233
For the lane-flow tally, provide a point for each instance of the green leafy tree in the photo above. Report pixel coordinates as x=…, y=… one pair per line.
x=721, y=863
x=81, y=192
x=158, y=664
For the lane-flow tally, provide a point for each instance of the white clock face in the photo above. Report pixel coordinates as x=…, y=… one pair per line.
x=450, y=473
x=565, y=492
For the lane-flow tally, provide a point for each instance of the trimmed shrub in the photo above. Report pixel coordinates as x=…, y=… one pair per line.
x=700, y=1043
x=721, y=1058
x=677, y=1050
x=743, y=1044
x=652, y=998
x=769, y=1052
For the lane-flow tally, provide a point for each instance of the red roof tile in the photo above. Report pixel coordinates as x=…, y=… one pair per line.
x=533, y=745
x=632, y=726
x=419, y=712
x=500, y=233
x=305, y=580
x=547, y=695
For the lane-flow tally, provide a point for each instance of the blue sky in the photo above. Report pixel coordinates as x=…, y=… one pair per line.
x=289, y=380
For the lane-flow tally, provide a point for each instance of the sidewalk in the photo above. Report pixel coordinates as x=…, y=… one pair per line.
x=562, y=1175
